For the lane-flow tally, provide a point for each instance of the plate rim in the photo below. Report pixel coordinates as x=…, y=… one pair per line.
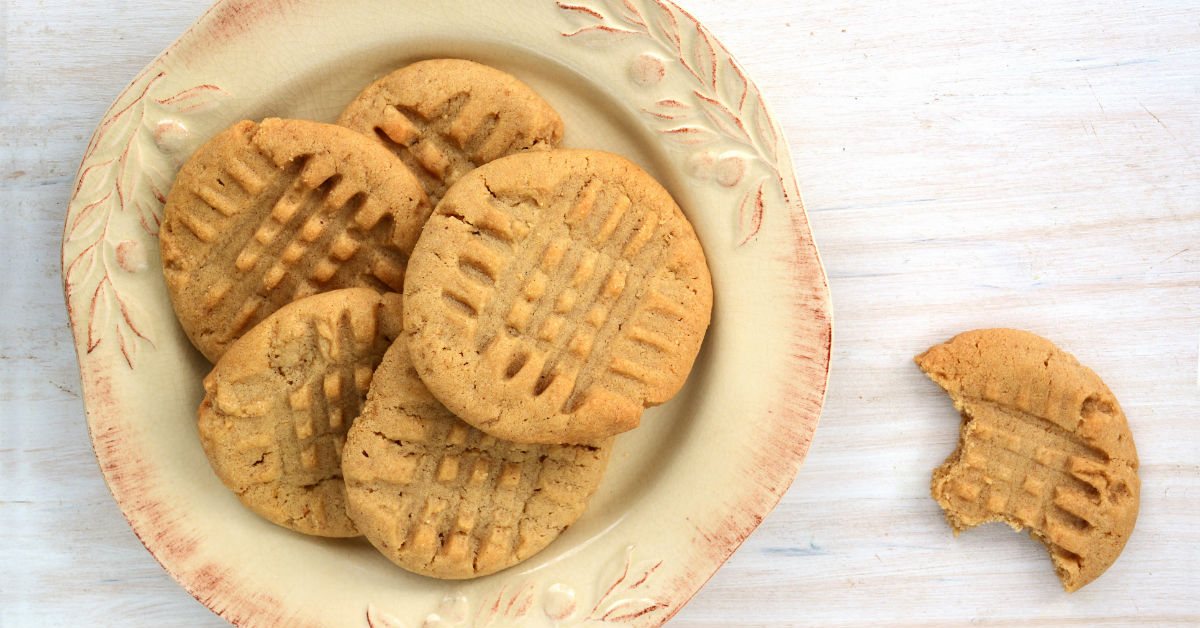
x=819, y=313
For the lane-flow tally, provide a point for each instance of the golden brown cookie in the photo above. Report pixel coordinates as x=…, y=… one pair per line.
x=263, y=214
x=443, y=499
x=280, y=401
x=1044, y=445
x=444, y=117
x=554, y=295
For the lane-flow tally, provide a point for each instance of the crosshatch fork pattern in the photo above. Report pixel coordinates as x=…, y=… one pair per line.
x=319, y=404
x=441, y=498
x=319, y=226
x=457, y=496
x=270, y=235
x=277, y=411
x=445, y=117
x=607, y=270
x=1044, y=445
x=441, y=147
x=1046, y=485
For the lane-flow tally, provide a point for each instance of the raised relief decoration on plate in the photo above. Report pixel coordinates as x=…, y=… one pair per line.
x=620, y=601
x=116, y=208
x=724, y=106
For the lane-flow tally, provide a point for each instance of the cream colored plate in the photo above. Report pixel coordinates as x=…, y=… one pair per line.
x=636, y=77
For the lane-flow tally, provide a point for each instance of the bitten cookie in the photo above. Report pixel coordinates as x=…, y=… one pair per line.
x=280, y=401
x=554, y=295
x=442, y=499
x=444, y=117
x=264, y=214
x=1044, y=445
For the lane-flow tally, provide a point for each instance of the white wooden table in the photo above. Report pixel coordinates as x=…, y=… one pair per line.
x=964, y=164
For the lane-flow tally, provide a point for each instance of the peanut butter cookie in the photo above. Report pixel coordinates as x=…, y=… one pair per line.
x=445, y=117
x=264, y=214
x=443, y=499
x=554, y=295
x=279, y=403
x=1044, y=446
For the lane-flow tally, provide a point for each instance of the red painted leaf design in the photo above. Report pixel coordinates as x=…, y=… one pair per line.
x=669, y=26
x=119, y=118
x=630, y=609
x=198, y=98
x=579, y=8
x=734, y=86
x=379, y=619
x=491, y=608
x=641, y=572
x=81, y=268
x=149, y=225
x=632, y=578
x=90, y=179
x=131, y=312
x=148, y=197
x=99, y=315
x=90, y=218
x=619, y=604
x=158, y=193
x=766, y=132
x=518, y=606
x=633, y=15
x=721, y=116
x=690, y=135
x=127, y=346
x=504, y=609
x=613, y=606
x=599, y=35
x=750, y=212
x=129, y=179
x=106, y=304
x=670, y=109
x=126, y=131
x=150, y=208
x=705, y=57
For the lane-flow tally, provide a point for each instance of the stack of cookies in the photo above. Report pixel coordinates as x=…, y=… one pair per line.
x=427, y=321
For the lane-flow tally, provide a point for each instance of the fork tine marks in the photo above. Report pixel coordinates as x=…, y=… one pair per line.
x=246, y=177
x=217, y=200
x=397, y=127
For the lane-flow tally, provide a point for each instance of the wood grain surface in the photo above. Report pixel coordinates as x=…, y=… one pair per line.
x=963, y=164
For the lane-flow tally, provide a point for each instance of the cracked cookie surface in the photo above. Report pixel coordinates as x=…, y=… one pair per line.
x=442, y=499
x=1044, y=445
x=281, y=399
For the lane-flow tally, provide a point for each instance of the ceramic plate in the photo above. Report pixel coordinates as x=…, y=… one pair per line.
x=637, y=77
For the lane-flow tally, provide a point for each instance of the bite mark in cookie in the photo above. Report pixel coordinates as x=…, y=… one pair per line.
x=1044, y=446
